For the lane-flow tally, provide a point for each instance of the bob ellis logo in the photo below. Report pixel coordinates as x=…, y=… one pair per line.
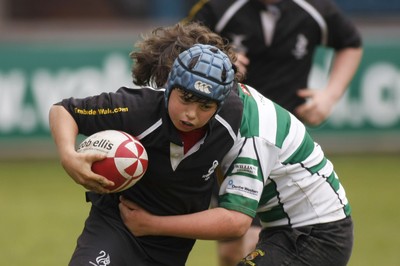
x=104, y=144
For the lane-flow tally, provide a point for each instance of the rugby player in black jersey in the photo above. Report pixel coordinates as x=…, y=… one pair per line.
x=187, y=123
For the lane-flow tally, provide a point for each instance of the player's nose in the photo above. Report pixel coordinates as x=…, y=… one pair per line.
x=191, y=111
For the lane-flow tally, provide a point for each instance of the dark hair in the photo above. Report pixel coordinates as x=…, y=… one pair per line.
x=190, y=97
x=155, y=54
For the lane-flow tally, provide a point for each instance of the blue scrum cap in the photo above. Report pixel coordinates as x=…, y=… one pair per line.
x=203, y=70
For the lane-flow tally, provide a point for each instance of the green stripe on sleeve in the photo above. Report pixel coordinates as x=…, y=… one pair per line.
x=238, y=203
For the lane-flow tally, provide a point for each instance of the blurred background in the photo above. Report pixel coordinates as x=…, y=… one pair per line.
x=52, y=49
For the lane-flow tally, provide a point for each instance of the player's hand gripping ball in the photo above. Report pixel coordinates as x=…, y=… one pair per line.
x=126, y=160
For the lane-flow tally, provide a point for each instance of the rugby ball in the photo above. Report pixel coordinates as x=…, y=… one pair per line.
x=126, y=160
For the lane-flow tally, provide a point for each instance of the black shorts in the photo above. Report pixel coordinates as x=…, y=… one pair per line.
x=105, y=240
x=315, y=245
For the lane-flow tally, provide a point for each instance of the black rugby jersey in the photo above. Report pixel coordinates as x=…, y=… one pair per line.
x=279, y=39
x=169, y=186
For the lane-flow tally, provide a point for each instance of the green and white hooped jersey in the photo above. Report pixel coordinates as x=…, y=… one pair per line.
x=278, y=171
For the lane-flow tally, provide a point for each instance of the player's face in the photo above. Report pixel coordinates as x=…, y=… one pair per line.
x=187, y=115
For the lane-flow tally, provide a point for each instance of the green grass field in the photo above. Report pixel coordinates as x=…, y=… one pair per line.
x=43, y=210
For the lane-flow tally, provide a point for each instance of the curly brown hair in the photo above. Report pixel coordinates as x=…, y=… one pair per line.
x=156, y=53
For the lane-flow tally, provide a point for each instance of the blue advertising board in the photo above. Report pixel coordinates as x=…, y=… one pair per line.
x=33, y=77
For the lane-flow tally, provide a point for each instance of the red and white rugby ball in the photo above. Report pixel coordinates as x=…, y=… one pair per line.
x=126, y=160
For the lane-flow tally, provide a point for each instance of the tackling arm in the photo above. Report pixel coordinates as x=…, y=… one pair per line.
x=211, y=224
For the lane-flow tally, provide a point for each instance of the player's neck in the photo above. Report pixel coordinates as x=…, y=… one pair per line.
x=192, y=137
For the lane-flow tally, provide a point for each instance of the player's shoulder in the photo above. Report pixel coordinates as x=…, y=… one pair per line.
x=250, y=94
x=264, y=118
x=146, y=101
x=141, y=90
x=145, y=94
x=232, y=110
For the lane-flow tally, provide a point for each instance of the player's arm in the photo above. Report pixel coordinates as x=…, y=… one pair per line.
x=321, y=102
x=344, y=67
x=213, y=224
x=64, y=131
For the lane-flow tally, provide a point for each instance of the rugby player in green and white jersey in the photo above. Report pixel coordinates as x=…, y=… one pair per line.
x=280, y=173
